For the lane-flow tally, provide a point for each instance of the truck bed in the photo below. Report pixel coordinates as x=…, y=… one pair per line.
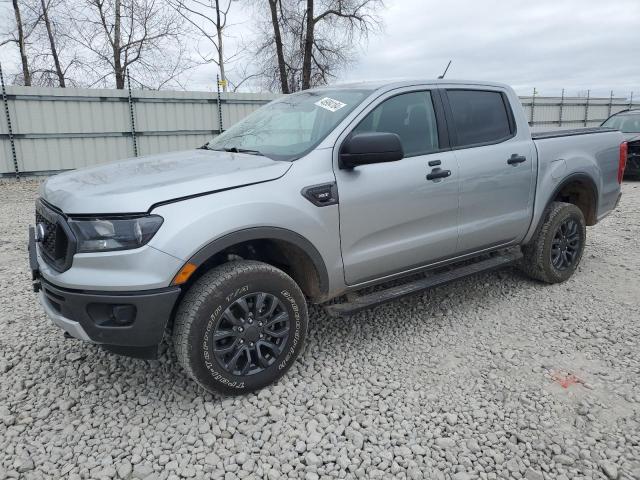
x=588, y=155
x=569, y=132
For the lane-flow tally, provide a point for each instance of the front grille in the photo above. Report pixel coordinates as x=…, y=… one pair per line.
x=56, y=245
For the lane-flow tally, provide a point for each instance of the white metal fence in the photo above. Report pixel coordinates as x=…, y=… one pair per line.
x=57, y=129
x=549, y=113
x=54, y=129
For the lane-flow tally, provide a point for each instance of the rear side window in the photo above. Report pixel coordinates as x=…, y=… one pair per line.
x=409, y=115
x=479, y=117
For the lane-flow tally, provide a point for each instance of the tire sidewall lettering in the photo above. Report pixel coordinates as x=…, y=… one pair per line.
x=210, y=325
x=296, y=335
x=222, y=303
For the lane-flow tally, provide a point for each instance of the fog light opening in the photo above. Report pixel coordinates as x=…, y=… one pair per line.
x=122, y=315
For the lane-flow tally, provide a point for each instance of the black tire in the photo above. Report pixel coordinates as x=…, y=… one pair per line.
x=540, y=262
x=221, y=303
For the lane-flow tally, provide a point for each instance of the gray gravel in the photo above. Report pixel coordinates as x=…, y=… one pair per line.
x=466, y=381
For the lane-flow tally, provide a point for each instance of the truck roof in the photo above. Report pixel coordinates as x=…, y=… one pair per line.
x=390, y=84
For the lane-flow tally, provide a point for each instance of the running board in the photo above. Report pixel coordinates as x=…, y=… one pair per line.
x=508, y=257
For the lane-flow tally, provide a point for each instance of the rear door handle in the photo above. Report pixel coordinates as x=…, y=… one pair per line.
x=438, y=173
x=515, y=159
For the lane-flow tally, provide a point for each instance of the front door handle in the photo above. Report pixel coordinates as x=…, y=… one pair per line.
x=515, y=159
x=438, y=173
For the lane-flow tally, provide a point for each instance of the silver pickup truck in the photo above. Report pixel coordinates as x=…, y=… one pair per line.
x=314, y=197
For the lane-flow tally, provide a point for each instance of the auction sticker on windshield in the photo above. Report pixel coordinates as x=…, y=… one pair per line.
x=330, y=104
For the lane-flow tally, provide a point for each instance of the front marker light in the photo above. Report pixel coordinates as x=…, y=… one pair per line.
x=184, y=274
x=108, y=234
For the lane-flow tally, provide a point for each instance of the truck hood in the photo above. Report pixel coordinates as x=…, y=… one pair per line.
x=135, y=185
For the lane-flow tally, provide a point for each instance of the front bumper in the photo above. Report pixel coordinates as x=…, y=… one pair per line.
x=71, y=327
x=130, y=323
x=136, y=319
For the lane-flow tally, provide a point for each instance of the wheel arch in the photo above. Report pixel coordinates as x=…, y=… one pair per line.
x=280, y=247
x=580, y=190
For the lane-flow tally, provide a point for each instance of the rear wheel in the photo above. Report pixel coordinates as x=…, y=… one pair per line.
x=556, y=249
x=240, y=327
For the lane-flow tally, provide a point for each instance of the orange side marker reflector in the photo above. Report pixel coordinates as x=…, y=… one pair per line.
x=183, y=275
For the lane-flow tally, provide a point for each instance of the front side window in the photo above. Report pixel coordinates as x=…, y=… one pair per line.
x=479, y=117
x=290, y=127
x=411, y=116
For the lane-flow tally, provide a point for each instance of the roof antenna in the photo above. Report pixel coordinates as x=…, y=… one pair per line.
x=445, y=71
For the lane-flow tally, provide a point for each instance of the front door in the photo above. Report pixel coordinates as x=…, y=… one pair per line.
x=392, y=218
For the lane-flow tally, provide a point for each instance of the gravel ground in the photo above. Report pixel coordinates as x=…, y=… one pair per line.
x=492, y=377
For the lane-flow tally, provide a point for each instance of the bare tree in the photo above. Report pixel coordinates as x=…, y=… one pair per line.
x=52, y=42
x=244, y=72
x=19, y=34
x=330, y=29
x=46, y=56
x=209, y=19
x=275, y=8
x=22, y=44
x=278, y=49
x=144, y=36
x=45, y=43
x=317, y=39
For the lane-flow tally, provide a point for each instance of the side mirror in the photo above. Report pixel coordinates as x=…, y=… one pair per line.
x=373, y=147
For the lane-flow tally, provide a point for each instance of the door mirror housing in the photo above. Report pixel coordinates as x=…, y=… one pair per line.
x=372, y=147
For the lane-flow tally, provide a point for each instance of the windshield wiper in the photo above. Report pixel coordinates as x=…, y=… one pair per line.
x=233, y=150
x=243, y=150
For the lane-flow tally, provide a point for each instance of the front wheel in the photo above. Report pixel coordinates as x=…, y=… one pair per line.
x=240, y=327
x=556, y=249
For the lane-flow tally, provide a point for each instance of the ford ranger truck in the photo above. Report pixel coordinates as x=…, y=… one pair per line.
x=316, y=195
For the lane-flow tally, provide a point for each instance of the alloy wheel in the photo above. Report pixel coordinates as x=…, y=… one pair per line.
x=566, y=243
x=251, y=334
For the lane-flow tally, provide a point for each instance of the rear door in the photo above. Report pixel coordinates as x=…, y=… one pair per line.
x=392, y=218
x=496, y=163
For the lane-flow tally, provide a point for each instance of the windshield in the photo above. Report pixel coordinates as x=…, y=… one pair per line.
x=290, y=127
x=628, y=123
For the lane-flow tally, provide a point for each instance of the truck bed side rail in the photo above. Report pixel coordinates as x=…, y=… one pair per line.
x=569, y=132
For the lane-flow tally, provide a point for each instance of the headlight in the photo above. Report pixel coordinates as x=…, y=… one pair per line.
x=105, y=234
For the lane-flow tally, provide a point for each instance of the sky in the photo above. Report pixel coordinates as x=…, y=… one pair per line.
x=546, y=44
x=578, y=45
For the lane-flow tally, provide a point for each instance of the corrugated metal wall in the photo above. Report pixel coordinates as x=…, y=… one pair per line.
x=57, y=129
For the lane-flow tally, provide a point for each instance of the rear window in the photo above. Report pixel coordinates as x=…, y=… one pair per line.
x=479, y=117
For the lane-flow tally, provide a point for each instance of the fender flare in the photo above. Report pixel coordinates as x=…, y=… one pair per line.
x=576, y=177
x=579, y=177
x=265, y=233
